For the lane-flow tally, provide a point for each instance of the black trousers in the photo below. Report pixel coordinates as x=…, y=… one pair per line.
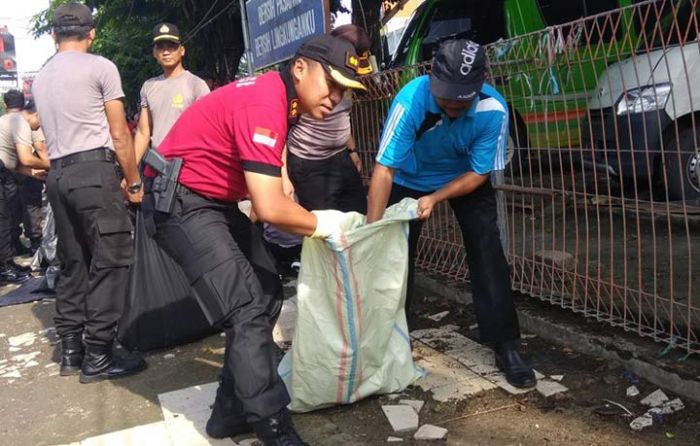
x=489, y=273
x=30, y=208
x=95, y=249
x=217, y=245
x=8, y=199
x=331, y=183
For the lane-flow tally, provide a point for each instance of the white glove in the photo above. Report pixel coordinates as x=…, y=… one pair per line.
x=327, y=223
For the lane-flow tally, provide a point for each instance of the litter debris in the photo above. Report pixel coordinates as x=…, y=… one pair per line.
x=430, y=432
x=416, y=404
x=631, y=377
x=439, y=316
x=557, y=378
x=168, y=356
x=23, y=340
x=394, y=440
x=402, y=418
x=548, y=388
x=538, y=375
x=640, y=423
x=632, y=391
x=668, y=408
x=655, y=398
x=619, y=405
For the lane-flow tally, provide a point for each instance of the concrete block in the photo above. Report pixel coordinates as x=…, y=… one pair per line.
x=430, y=432
x=655, y=398
x=416, y=404
x=548, y=388
x=632, y=391
x=402, y=418
x=640, y=423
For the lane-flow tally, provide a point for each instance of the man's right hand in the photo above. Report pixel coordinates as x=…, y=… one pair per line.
x=327, y=224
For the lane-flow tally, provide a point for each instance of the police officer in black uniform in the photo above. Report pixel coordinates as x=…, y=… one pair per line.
x=79, y=95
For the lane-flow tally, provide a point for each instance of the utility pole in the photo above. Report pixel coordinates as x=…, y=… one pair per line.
x=246, y=43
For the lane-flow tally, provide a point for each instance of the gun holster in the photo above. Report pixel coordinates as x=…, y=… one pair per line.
x=164, y=186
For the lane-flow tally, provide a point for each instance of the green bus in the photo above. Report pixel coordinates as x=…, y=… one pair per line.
x=543, y=59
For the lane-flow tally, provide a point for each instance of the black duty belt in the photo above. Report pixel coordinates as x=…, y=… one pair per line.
x=101, y=154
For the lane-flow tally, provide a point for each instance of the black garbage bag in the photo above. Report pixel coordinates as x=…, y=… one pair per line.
x=162, y=309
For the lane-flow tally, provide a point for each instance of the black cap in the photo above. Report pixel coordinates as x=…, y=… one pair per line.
x=337, y=56
x=73, y=15
x=458, y=70
x=166, y=32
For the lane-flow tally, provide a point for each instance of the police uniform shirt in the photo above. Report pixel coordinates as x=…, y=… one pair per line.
x=70, y=93
x=167, y=99
x=14, y=129
x=476, y=141
x=239, y=127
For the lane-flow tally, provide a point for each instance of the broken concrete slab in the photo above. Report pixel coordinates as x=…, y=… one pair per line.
x=430, y=432
x=394, y=440
x=402, y=418
x=632, y=391
x=437, y=317
x=23, y=340
x=641, y=422
x=538, y=375
x=655, y=398
x=557, y=378
x=416, y=404
x=548, y=388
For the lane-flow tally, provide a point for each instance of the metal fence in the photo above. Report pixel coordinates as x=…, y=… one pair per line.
x=601, y=193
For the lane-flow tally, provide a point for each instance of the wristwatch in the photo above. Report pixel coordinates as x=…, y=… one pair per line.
x=135, y=187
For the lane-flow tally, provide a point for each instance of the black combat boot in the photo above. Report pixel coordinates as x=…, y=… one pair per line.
x=100, y=363
x=227, y=418
x=518, y=372
x=278, y=430
x=72, y=352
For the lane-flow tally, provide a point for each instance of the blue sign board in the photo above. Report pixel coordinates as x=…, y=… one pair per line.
x=276, y=28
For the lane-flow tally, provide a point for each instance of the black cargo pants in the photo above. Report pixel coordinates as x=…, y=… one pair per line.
x=95, y=248
x=216, y=244
x=488, y=269
x=8, y=197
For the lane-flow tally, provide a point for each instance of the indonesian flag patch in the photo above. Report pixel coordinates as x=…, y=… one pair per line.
x=265, y=137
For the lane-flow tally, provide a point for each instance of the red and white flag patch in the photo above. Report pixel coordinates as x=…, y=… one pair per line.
x=265, y=137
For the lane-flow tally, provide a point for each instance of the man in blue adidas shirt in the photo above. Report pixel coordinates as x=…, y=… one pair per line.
x=444, y=135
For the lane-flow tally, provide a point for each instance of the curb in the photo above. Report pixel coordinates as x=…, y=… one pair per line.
x=636, y=354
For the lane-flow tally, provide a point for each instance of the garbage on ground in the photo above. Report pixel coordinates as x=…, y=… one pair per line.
x=439, y=316
x=557, y=377
x=655, y=398
x=402, y=418
x=657, y=413
x=430, y=432
x=632, y=391
x=640, y=423
x=631, y=377
x=548, y=388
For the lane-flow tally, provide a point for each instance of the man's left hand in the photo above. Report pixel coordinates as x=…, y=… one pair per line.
x=425, y=206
